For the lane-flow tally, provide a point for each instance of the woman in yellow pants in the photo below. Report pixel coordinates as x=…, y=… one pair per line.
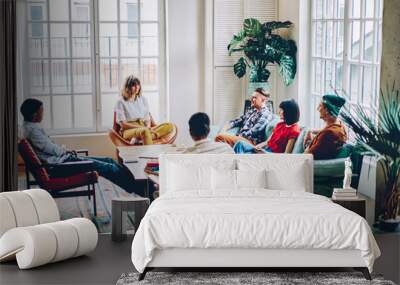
x=132, y=114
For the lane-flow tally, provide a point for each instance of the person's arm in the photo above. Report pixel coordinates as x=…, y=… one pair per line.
x=237, y=122
x=260, y=126
x=43, y=143
x=322, y=145
x=290, y=145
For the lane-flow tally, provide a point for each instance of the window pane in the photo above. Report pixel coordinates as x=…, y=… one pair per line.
x=355, y=40
x=329, y=76
x=379, y=8
x=318, y=76
x=378, y=44
x=108, y=10
x=149, y=39
x=37, y=10
x=109, y=74
x=328, y=9
x=149, y=74
x=39, y=77
x=107, y=109
x=329, y=39
x=340, y=9
x=59, y=10
x=354, y=80
x=108, y=40
x=80, y=10
x=129, y=39
x=339, y=76
x=149, y=10
x=369, y=8
x=129, y=66
x=38, y=42
x=153, y=99
x=318, y=9
x=368, y=86
x=368, y=40
x=82, y=76
x=318, y=39
x=339, y=40
x=46, y=123
x=355, y=10
x=62, y=115
x=83, y=111
x=60, y=76
x=59, y=39
x=129, y=10
x=81, y=40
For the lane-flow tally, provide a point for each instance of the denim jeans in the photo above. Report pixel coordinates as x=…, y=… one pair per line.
x=245, y=147
x=107, y=168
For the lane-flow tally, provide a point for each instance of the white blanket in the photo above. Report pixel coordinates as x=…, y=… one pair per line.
x=250, y=219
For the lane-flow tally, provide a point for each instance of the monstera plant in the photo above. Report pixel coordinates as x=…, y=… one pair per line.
x=261, y=45
x=382, y=140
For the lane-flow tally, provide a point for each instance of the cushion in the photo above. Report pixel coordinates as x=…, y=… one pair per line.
x=298, y=146
x=277, y=179
x=345, y=151
x=270, y=127
x=223, y=179
x=251, y=178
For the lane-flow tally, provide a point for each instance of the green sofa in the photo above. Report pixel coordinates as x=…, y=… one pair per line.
x=329, y=173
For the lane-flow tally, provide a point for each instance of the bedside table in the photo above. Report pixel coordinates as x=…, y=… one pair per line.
x=357, y=205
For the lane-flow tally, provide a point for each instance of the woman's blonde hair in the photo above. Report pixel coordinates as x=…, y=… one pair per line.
x=126, y=92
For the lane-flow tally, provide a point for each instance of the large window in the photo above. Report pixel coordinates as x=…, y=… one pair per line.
x=79, y=53
x=346, y=51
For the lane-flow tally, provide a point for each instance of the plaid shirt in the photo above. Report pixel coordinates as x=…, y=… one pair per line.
x=252, y=124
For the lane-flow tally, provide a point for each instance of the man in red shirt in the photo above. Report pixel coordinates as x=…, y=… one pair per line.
x=283, y=136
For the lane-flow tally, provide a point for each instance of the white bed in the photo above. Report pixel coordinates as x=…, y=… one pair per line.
x=247, y=211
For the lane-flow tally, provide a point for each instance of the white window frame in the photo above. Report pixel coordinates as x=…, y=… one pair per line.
x=95, y=65
x=346, y=60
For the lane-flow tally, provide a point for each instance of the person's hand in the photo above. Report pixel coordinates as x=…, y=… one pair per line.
x=154, y=134
x=225, y=128
x=307, y=138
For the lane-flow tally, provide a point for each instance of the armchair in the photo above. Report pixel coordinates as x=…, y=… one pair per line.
x=33, y=234
x=115, y=135
x=74, y=175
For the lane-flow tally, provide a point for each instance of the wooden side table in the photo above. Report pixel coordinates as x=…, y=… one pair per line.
x=119, y=208
x=357, y=205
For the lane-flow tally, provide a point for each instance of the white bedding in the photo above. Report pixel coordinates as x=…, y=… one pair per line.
x=252, y=218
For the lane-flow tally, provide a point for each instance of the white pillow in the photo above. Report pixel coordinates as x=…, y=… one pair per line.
x=251, y=178
x=278, y=179
x=223, y=179
x=183, y=177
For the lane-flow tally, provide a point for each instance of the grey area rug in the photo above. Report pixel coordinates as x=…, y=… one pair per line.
x=228, y=278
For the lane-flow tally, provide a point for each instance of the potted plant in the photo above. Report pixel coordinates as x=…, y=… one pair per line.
x=262, y=45
x=381, y=139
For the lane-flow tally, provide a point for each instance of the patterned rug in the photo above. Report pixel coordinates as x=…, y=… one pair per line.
x=83, y=207
x=242, y=278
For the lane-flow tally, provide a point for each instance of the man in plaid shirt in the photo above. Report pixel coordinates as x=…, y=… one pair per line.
x=252, y=123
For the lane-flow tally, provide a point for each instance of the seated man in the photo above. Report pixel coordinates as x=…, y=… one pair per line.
x=199, y=127
x=325, y=143
x=283, y=136
x=49, y=152
x=251, y=124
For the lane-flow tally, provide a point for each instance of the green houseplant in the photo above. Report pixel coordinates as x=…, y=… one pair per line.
x=261, y=45
x=382, y=140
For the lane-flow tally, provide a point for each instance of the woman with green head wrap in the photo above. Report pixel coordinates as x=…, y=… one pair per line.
x=326, y=143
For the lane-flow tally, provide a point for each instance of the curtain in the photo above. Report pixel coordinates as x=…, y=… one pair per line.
x=8, y=97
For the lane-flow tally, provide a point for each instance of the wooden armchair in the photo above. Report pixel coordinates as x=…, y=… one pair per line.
x=59, y=186
x=115, y=135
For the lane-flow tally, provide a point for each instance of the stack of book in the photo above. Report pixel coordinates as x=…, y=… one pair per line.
x=152, y=167
x=342, y=194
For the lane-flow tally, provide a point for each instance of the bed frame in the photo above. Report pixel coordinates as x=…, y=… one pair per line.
x=242, y=259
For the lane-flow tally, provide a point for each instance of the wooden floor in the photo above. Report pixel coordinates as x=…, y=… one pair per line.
x=103, y=266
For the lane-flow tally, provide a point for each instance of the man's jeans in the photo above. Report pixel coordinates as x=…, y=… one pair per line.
x=107, y=168
x=245, y=147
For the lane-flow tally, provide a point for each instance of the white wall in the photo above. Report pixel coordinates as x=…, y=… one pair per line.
x=298, y=13
x=185, y=62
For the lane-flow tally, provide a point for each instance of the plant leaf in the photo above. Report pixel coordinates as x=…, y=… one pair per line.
x=287, y=68
x=236, y=41
x=239, y=68
x=252, y=27
x=273, y=25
